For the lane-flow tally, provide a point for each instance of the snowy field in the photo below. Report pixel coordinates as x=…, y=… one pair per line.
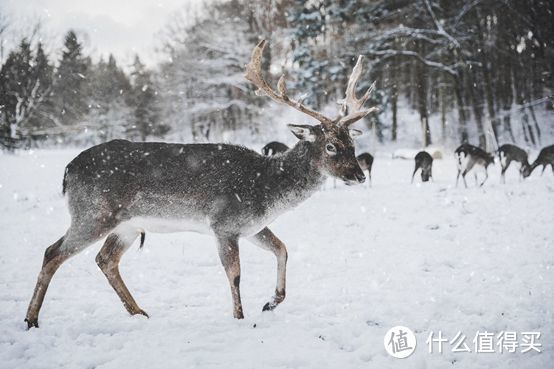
x=430, y=257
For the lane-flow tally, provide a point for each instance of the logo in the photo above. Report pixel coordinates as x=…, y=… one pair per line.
x=400, y=342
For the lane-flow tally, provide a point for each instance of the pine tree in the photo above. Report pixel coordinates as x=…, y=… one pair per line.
x=42, y=72
x=70, y=82
x=109, y=97
x=145, y=103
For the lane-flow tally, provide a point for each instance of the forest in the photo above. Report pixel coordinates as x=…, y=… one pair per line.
x=482, y=69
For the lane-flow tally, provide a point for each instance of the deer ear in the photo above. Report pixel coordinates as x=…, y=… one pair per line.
x=355, y=133
x=303, y=132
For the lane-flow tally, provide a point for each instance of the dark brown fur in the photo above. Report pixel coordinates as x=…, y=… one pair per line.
x=424, y=161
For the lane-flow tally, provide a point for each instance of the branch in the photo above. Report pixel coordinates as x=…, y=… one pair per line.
x=439, y=26
x=466, y=9
x=433, y=64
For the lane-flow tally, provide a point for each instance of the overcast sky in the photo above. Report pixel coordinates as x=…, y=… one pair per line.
x=117, y=26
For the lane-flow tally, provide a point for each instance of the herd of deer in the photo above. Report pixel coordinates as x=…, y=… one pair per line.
x=119, y=189
x=467, y=157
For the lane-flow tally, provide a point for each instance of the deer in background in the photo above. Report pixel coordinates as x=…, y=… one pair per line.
x=545, y=158
x=118, y=189
x=366, y=162
x=423, y=161
x=508, y=153
x=469, y=156
x=273, y=148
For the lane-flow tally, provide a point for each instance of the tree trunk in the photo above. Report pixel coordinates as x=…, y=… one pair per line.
x=443, y=107
x=459, y=91
x=507, y=97
x=519, y=86
x=422, y=81
x=394, y=107
x=474, y=95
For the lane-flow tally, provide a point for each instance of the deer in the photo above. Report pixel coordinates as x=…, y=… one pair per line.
x=366, y=162
x=508, y=153
x=423, y=161
x=545, y=158
x=469, y=156
x=118, y=190
x=273, y=148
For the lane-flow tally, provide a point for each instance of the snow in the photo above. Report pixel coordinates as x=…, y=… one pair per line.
x=427, y=256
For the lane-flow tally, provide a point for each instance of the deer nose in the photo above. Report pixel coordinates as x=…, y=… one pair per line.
x=360, y=177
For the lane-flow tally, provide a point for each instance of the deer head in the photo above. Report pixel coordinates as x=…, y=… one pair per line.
x=331, y=139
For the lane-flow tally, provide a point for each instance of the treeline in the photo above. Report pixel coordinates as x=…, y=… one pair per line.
x=489, y=61
x=73, y=99
x=482, y=69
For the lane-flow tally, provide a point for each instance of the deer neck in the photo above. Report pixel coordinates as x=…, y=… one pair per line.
x=297, y=174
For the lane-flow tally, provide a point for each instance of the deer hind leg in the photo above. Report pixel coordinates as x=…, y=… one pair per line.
x=504, y=169
x=108, y=260
x=268, y=241
x=486, y=177
x=72, y=243
x=468, y=167
x=228, y=249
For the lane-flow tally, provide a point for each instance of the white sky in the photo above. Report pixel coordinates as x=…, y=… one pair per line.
x=122, y=27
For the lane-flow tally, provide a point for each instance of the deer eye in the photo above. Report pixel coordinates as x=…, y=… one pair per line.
x=331, y=149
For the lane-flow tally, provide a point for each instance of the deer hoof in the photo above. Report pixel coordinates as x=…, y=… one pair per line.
x=269, y=306
x=141, y=312
x=238, y=315
x=31, y=323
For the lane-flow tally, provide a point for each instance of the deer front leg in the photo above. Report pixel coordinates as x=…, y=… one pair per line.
x=464, y=177
x=108, y=260
x=229, y=255
x=268, y=241
x=415, y=170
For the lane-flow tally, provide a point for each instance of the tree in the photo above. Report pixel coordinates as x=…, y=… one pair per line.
x=109, y=99
x=145, y=103
x=204, y=85
x=70, y=82
x=25, y=82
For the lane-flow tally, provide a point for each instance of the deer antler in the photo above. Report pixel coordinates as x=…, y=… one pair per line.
x=351, y=102
x=254, y=75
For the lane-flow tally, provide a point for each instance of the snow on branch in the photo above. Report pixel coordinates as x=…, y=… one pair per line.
x=439, y=26
x=433, y=64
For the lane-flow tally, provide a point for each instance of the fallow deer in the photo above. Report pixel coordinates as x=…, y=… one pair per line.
x=508, y=153
x=366, y=162
x=469, y=156
x=545, y=158
x=423, y=161
x=120, y=188
x=274, y=147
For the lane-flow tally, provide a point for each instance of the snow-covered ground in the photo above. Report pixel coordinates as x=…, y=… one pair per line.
x=431, y=257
